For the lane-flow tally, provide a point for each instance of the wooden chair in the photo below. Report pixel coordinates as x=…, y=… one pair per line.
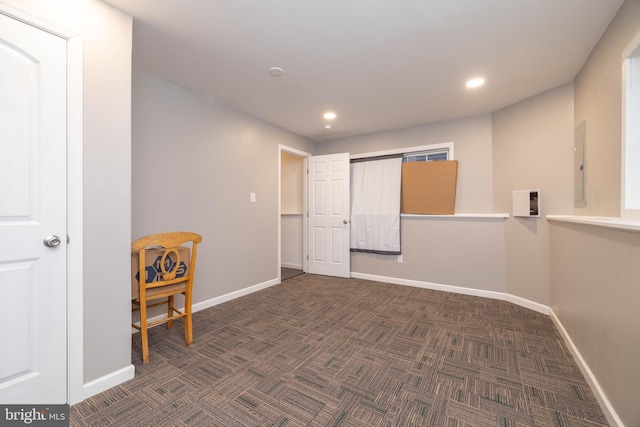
x=164, y=277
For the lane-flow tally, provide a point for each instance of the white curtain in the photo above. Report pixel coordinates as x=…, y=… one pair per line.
x=375, y=206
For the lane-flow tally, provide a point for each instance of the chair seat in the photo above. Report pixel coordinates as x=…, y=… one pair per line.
x=164, y=291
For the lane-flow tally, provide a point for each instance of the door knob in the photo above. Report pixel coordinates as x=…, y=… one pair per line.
x=51, y=241
x=345, y=221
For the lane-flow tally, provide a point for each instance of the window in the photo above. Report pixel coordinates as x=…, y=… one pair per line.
x=413, y=181
x=426, y=156
x=443, y=151
x=630, y=195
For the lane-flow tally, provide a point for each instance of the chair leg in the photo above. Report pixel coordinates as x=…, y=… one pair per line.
x=170, y=312
x=188, y=324
x=143, y=331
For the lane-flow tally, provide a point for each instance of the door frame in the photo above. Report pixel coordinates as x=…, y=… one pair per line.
x=305, y=156
x=75, y=371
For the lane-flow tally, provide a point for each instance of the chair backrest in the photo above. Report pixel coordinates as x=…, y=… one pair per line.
x=165, y=270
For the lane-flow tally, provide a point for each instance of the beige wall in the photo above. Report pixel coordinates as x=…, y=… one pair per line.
x=472, y=139
x=533, y=149
x=598, y=98
x=595, y=295
x=195, y=164
x=466, y=253
x=594, y=272
x=291, y=250
x=106, y=35
x=291, y=168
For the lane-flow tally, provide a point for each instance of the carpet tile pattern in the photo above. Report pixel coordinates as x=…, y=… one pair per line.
x=323, y=351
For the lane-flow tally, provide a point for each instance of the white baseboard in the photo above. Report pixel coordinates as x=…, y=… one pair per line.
x=294, y=266
x=233, y=295
x=108, y=381
x=609, y=412
x=428, y=285
x=523, y=302
x=540, y=308
x=219, y=300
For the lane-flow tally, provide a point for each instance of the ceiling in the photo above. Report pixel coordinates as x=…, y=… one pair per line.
x=378, y=64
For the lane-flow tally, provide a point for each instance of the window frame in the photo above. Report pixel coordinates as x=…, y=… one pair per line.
x=426, y=155
x=630, y=149
x=417, y=150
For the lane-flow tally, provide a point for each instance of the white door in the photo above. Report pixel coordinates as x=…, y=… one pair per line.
x=329, y=211
x=33, y=277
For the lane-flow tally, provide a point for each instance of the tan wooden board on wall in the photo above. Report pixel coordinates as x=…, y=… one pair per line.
x=429, y=187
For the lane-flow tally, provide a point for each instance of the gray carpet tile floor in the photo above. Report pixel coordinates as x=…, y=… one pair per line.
x=323, y=351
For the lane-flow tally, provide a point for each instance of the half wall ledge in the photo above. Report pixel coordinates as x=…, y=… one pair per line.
x=460, y=216
x=598, y=221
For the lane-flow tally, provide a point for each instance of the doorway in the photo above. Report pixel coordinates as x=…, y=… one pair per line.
x=319, y=202
x=292, y=207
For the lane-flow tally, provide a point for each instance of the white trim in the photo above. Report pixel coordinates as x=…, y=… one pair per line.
x=605, y=405
x=429, y=285
x=631, y=49
x=293, y=266
x=203, y=305
x=29, y=18
x=630, y=131
x=108, y=381
x=75, y=276
x=460, y=216
x=440, y=146
x=540, y=308
x=75, y=220
x=531, y=305
x=236, y=294
x=597, y=221
x=294, y=151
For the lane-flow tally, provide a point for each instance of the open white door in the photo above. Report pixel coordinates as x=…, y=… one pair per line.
x=328, y=210
x=33, y=215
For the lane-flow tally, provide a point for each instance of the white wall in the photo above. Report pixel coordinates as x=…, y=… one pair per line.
x=195, y=164
x=106, y=34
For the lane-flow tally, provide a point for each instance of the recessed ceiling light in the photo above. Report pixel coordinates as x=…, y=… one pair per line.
x=329, y=115
x=327, y=126
x=475, y=83
x=276, y=71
